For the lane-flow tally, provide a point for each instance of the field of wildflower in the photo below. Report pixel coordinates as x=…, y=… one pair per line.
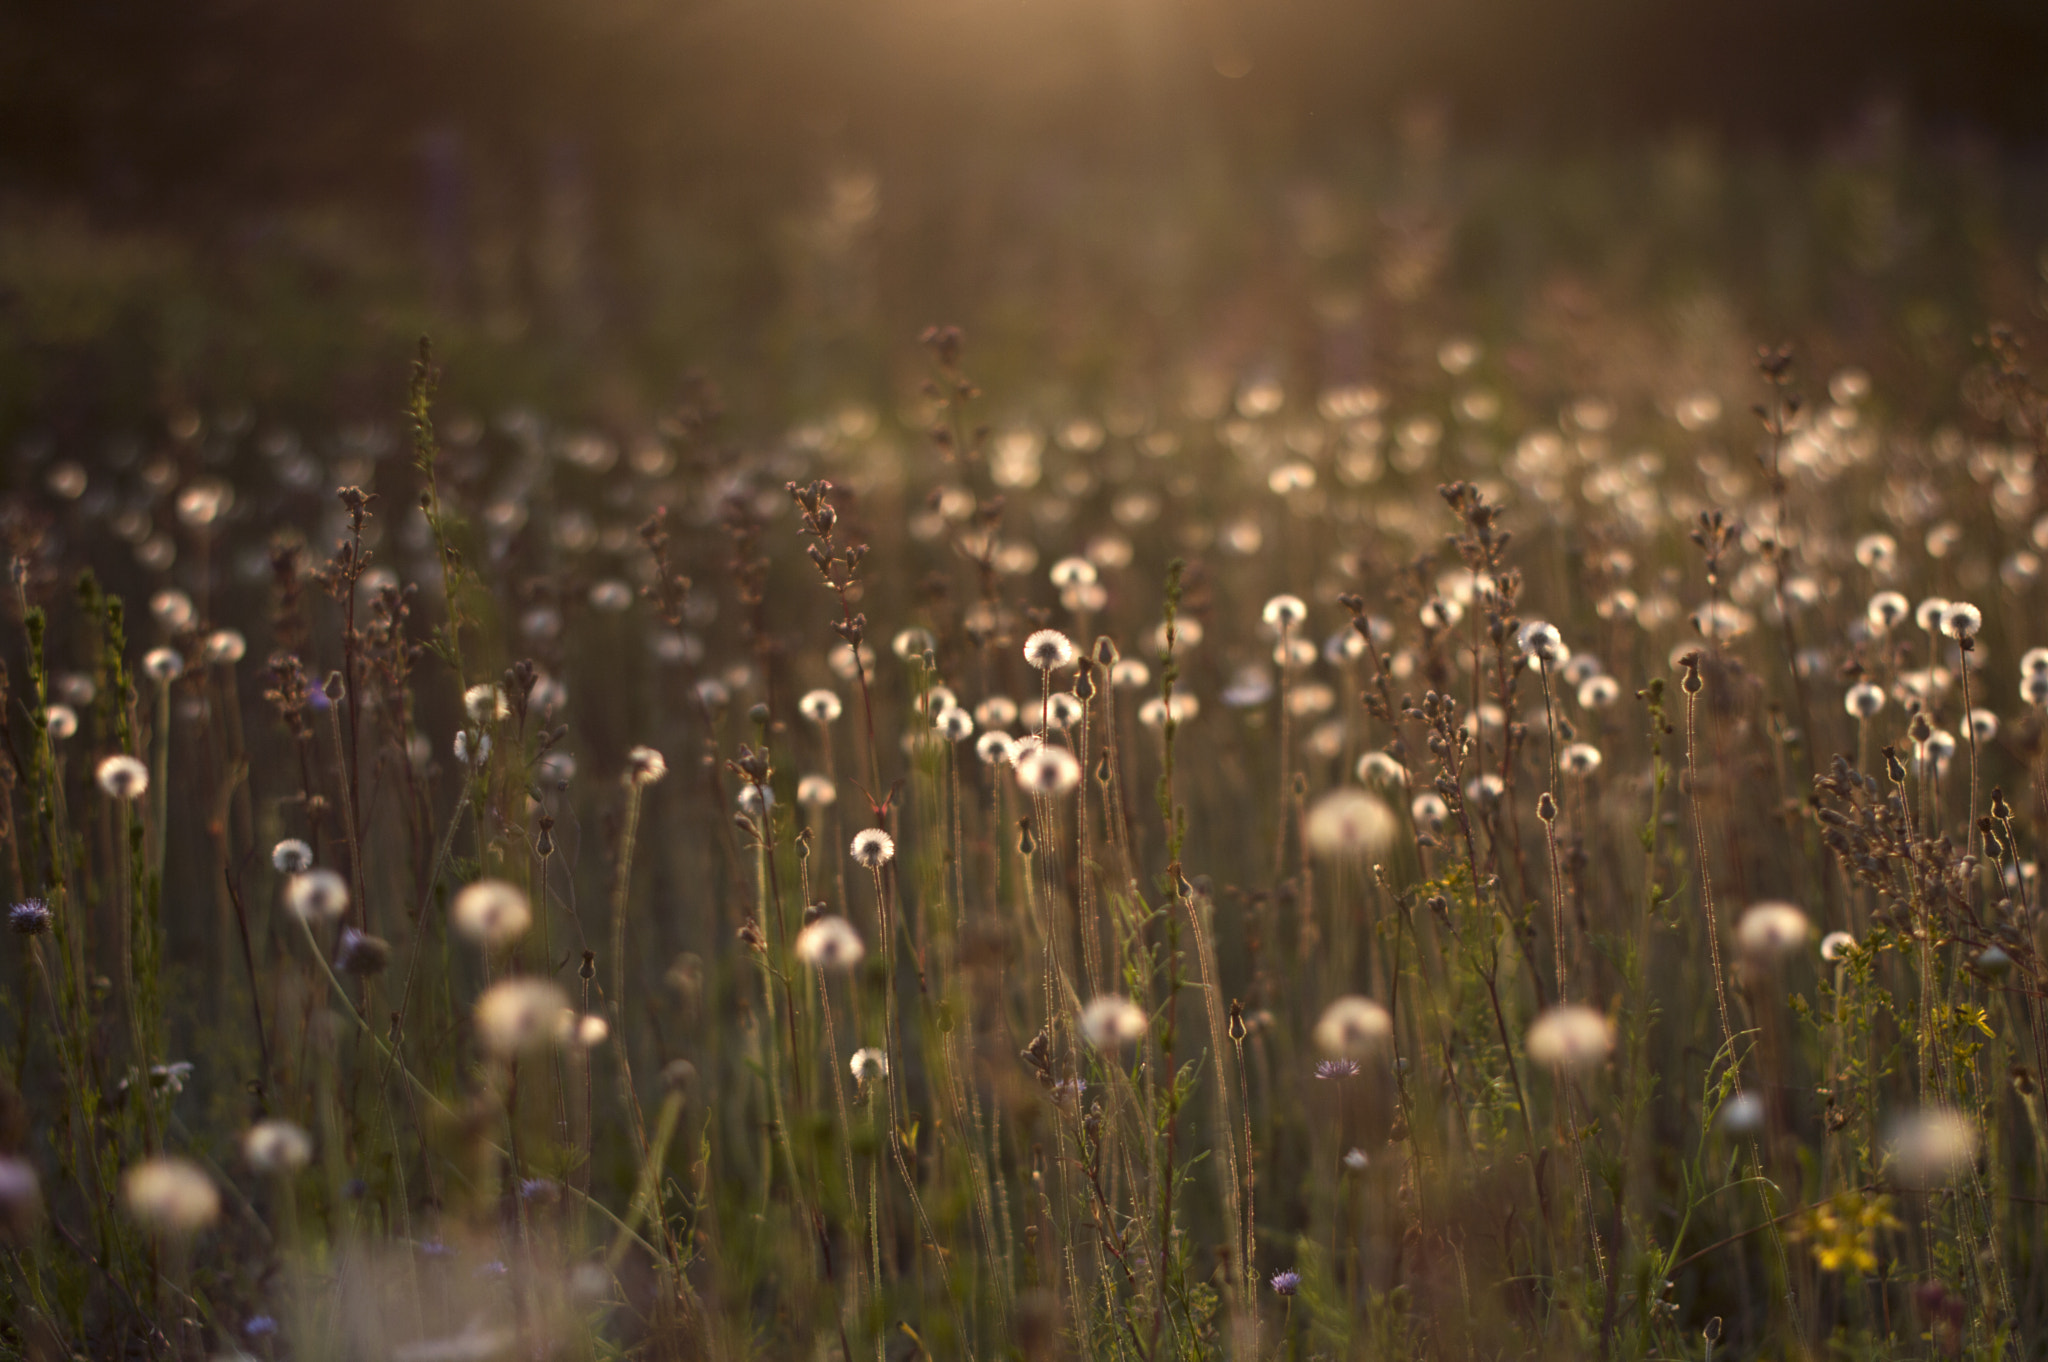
x=1472, y=794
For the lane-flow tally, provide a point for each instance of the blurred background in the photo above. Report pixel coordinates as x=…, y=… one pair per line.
x=227, y=201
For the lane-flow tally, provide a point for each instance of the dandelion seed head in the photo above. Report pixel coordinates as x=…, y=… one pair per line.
x=1112, y=1021
x=518, y=1015
x=1048, y=771
x=1863, y=700
x=645, y=766
x=1283, y=612
x=1429, y=811
x=1579, y=759
x=1130, y=674
x=1836, y=945
x=1772, y=929
x=1352, y=1027
x=491, y=913
x=170, y=1196
x=1962, y=620
x=1932, y=614
x=821, y=707
x=486, y=704
x=1742, y=1114
x=275, y=1146
x=997, y=711
x=1349, y=822
x=1572, y=1038
x=868, y=1065
x=1542, y=644
x=292, y=856
x=1378, y=768
x=1072, y=572
x=61, y=721
x=316, y=896
x=1598, y=692
x=224, y=648
x=872, y=848
x=995, y=747
x=1049, y=650
x=123, y=777
x=1931, y=1145
x=830, y=944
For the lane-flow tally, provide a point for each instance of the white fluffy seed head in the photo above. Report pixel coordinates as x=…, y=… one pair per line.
x=170, y=1196
x=123, y=777
x=1571, y=1039
x=1353, y=1027
x=275, y=1146
x=1284, y=611
x=519, y=1015
x=1542, y=644
x=1048, y=771
x=1864, y=700
x=1932, y=614
x=830, y=944
x=1579, y=759
x=994, y=748
x=954, y=724
x=1962, y=620
x=820, y=706
x=163, y=665
x=224, y=648
x=1348, y=822
x=491, y=913
x=1112, y=1021
x=1835, y=945
x=1771, y=930
x=316, y=896
x=292, y=856
x=61, y=720
x=868, y=1065
x=1887, y=609
x=816, y=792
x=1931, y=1146
x=644, y=766
x=872, y=848
x=1598, y=692
x=1049, y=650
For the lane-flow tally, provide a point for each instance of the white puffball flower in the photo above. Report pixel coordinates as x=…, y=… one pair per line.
x=998, y=711
x=467, y=750
x=1835, y=945
x=1072, y=572
x=872, y=848
x=2034, y=689
x=1112, y=1021
x=484, y=703
x=1155, y=712
x=1130, y=674
x=1772, y=929
x=1743, y=1114
x=170, y=1196
x=1541, y=643
x=61, y=721
x=954, y=724
x=224, y=648
x=1429, y=811
x=1931, y=614
x=1579, y=759
x=1598, y=692
x=1049, y=650
x=1572, y=1038
x=1048, y=771
x=275, y=1146
x=592, y=1030
x=491, y=913
x=316, y=896
x=123, y=777
x=1864, y=700
x=163, y=665
x=868, y=1065
x=1983, y=725
x=1885, y=611
x=830, y=944
x=292, y=856
x=518, y=1015
x=1932, y=1146
x=821, y=707
x=1378, y=768
x=2033, y=660
x=1962, y=620
x=995, y=747
x=1352, y=1027
x=644, y=766
x=1062, y=711
x=1283, y=612
x=1350, y=822
x=816, y=792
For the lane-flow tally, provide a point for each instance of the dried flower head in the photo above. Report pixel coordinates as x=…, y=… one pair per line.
x=868, y=1065
x=1864, y=700
x=954, y=724
x=1961, y=620
x=1048, y=771
x=1283, y=612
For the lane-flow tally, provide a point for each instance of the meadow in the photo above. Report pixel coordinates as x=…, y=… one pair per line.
x=1472, y=793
